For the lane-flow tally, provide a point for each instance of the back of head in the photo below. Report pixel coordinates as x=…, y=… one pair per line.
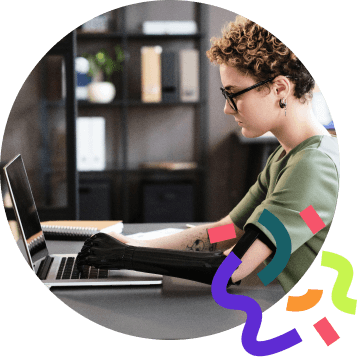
x=254, y=51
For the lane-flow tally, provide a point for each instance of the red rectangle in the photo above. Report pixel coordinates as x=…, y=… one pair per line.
x=219, y=234
x=326, y=331
x=312, y=219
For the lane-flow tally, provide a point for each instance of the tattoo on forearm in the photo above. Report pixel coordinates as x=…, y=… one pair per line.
x=200, y=245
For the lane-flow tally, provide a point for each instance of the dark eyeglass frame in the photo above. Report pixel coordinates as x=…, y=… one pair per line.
x=229, y=97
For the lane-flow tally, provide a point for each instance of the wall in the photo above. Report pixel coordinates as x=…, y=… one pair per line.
x=220, y=127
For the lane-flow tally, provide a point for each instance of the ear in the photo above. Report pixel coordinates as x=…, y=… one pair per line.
x=282, y=87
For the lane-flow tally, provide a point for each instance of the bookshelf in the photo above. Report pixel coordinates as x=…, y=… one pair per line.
x=126, y=114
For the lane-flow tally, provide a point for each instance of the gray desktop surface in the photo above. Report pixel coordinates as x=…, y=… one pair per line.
x=178, y=309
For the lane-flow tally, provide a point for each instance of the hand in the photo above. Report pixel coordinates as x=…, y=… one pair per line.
x=102, y=251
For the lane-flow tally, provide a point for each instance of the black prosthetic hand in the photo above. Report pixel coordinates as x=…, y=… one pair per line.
x=105, y=252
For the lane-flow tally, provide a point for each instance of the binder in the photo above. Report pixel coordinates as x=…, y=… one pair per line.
x=170, y=77
x=151, y=74
x=189, y=75
x=90, y=143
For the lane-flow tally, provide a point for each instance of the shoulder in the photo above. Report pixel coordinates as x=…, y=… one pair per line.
x=323, y=156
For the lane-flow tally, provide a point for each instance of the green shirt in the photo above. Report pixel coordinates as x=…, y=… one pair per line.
x=307, y=175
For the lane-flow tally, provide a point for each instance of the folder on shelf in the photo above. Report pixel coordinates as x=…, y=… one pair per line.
x=151, y=74
x=170, y=77
x=189, y=75
x=90, y=143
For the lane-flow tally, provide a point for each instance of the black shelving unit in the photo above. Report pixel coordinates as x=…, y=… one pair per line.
x=124, y=174
x=121, y=175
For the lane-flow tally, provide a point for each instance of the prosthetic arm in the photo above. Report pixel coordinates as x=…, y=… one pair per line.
x=105, y=252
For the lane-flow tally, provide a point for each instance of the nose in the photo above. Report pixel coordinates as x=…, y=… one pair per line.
x=227, y=109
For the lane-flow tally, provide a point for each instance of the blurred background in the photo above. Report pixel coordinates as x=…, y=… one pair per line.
x=123, y=120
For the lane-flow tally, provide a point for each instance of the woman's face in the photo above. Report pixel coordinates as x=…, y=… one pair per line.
x=256, y=111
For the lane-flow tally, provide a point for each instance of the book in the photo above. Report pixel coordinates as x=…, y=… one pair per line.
x=68, y=233
x=54, y=232
x=151, y=74
x=170, y=76
x=189, y=75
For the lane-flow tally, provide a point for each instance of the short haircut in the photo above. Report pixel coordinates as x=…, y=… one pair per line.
x=254, y=51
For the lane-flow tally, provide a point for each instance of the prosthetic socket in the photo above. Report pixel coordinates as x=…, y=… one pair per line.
x=105, y=252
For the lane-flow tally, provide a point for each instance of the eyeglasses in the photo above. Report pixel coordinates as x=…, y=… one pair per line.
x=229, y=97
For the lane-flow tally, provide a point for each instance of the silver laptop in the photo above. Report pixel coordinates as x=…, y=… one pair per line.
x=57, y=269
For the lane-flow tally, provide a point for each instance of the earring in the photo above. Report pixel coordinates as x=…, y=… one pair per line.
x=283, y=104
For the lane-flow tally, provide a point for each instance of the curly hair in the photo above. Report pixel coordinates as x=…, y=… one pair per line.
x=254, y=51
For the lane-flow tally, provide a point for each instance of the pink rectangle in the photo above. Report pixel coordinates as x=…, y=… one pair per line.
x=326, y=331
x=312, y=219
x=219, y=234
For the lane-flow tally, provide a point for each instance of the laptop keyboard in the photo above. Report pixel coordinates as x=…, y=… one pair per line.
x=68, y=270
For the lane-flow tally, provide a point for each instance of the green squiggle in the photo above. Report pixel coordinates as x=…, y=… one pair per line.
x=343, y=281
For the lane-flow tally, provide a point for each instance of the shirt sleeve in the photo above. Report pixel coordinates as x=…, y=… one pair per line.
x=256, y=194
x=310, y=179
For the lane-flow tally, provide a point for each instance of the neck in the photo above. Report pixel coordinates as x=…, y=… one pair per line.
x=299, y=125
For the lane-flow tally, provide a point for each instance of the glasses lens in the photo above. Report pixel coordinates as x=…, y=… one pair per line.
x=230, y=101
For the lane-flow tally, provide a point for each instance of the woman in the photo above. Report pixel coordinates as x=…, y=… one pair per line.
x=267, y=89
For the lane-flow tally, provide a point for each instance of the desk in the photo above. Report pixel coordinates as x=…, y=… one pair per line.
x=179, y=309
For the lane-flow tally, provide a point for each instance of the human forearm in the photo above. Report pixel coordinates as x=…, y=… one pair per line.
x=255, y=255
x=195, y=239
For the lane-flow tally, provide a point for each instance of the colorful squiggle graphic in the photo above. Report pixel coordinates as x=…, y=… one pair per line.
x=283, y=247
x=219, y=234
x=304, y=302
x=343, y=282
x=312, y=219
x=253, y=311
x=326, y=331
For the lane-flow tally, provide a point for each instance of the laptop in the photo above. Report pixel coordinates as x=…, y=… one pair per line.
x=57, y=269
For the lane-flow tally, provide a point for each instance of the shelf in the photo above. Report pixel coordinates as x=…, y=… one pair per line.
x=99, y=36
x=164, y=37
x=134, y=36
x=128, y=104
x=120, y=103
x=142, y=171
x=135, y=103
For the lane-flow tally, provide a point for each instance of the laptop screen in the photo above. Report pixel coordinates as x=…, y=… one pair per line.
x=25, y=210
